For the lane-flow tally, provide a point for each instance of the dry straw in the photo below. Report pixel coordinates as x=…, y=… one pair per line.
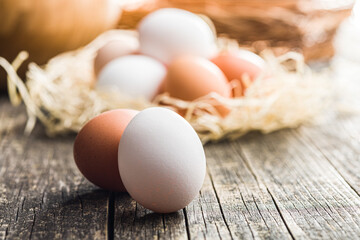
x=61, y=95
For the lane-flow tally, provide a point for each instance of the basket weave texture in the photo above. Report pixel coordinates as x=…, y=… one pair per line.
x=306, y=26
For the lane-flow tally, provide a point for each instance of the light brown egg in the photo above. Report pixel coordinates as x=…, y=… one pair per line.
x=241, y=66
x=112, y=50
x=191, y=77
x=96, y=148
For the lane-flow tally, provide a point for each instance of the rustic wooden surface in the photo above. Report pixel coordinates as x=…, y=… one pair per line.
x=291, y=184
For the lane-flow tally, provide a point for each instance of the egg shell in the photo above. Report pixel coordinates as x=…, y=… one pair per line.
x=112, y=50
x=161, y=160
x=96, y=146
x=235, y=65
x=170, y=32
x=135, y=75
x=190, y=77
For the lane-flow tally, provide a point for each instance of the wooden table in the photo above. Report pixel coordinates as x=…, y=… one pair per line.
x=291, y=184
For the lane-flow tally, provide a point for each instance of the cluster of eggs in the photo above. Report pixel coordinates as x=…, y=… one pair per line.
x=177, y=53
x=155, y=155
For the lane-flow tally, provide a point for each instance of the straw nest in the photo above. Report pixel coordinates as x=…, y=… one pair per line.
x=61, y=95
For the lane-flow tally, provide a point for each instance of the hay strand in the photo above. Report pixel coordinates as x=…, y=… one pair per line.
x=61, y=95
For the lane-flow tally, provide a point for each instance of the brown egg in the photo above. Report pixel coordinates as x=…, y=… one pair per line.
x=96, y=148
x=113, y=50
x=191, y=77
x=240, y=65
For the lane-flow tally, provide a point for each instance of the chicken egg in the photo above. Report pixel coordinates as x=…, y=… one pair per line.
x=135, y=75
x=96, y=146
x=114, y=49
x=161, y=160
x=191, y=77
x=241, y=65
x=170, y=32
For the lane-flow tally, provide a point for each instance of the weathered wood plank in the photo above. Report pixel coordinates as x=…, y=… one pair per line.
x=313, y=198
x=231, y=204
x=339, y=142
x=290, y=184
x=204, y=214
x=248, y=209
x=132, y=221
x=42, y=194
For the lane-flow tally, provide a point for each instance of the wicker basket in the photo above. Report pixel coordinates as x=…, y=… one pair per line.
x=307, y=26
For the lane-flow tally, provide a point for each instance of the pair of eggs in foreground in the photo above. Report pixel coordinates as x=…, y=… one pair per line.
x=155, y=155
x=177, y=53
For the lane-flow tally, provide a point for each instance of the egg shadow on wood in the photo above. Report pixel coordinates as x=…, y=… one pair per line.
x=128, y=213
x=91, y=197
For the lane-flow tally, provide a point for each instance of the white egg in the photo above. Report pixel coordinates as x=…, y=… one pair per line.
x=161, y=160
x=170, y=32
x=135, y=75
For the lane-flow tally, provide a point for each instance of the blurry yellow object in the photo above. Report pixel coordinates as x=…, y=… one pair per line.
x=45, y=28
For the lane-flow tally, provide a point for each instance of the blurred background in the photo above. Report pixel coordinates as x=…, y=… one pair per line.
x=346, y=62
x=319, y=29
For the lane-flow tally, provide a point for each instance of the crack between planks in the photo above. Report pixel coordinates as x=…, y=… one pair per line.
x=17, y=215
x=42, y=198
x=202, y=212
x=217, y=229
x=257, y=207
x=163, y=222
x=33, y=224
x=18, y=208
x=136, y=208
x=110, y=219
x=218, y=200
x=6, y=232
x=21, y=187
x=187, y=224
x=281, y=215
x=247, y=164
x=246, y=220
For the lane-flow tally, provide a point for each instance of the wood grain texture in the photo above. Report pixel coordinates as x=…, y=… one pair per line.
x=340, y=145
x=291, y=184
x=247, y=208
x=313, y=198
x=132, y=221
x=42, y=194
